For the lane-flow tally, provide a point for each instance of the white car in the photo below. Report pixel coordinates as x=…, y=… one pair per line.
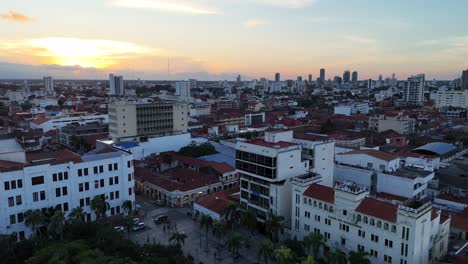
x=139, y=226
x=136, y=220
x=119, y=228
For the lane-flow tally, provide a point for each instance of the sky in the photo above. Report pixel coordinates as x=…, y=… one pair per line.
x=218, y=39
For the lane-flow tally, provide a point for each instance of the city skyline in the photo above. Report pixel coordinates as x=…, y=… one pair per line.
x=211, y=40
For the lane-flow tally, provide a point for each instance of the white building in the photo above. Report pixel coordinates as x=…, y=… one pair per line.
x=182, y=89
x=265, y=167
x=413, y=91
x=410, y=232
x=448, y=98
x=63, y=180
x=116, y=85
x=352, y=109
x=47, y=124
x=400, y=123
x=49, y=85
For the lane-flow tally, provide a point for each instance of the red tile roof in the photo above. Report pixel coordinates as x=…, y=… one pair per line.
x=449, y=197
x=263, y=143
x=320, y=192
x=40, y=120
x=379, y=209
x=10, y=166
x=217, y=202
x=374, y=153
x=460, y=221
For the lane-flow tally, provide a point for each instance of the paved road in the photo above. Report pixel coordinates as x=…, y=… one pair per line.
x=195, y=243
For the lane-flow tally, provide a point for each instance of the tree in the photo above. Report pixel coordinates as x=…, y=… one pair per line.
x=206, y=222
x=234, y=242
x=328, y=127
x=178, y=239
x=167, y=159
x=336, y=257
x=265, y=249
x=127, y=207
x=309, y=260
x=231, y=213
x=274, y=226
x=284, y=255
x=314, y=240
x=99, y=206
x=76, y=215
x=219, y=227
x=56, y=224
x=359, y=257
x=34, y=219
x=249, y=219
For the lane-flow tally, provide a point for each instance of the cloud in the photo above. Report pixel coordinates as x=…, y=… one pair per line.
x=289, y=3
x=255, y=22
x=15, y=17
x=175, y=6
x=359, y=39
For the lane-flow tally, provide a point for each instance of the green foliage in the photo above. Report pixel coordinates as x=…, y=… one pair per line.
x=284, y=255
x=296, y=247
x=359, y=257
x=265, y=250
x=328, y=127
x=313, y=101
x=198, y=151
x=274, y=226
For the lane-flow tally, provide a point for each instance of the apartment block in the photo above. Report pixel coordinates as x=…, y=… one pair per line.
x=400, y=123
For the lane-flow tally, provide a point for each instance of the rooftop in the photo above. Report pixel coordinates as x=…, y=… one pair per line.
x=218, y=201
x=53, y=157
x=372, y=152
x=410, y=173
x=437, y=148
x=277, y=145
x=320, y=192
x=379, y=209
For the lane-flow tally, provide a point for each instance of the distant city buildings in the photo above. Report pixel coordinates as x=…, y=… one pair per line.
x=464, y=80
x=309, y=80
x=238, y=79
x=48, y=85
x=413, y=91
x=116, y=85
x=346, y=77
x=354, y=77
x=399, y=123
x=277, y=77
x=182, y=89
x=322, y=75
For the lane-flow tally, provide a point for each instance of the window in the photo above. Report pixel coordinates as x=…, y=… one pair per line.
x=54, y=177
x=86, y=186
x=129, y=164
x=362, y=233
x=365, y=220
x=370, y=165
x=42, y=195
x=388, y=243
x=385, y=226
x=111, y=181
x=345, y=212
x=317, y=218
x=374, y=238
x=306, y=227
x=80, y=172
x=111, y=196
x=129, y=191
x=95, y=170
x=11, y=201
x=64, y=191
x=12, y=219
x=88, y=201
x=20, y=183
x=57, y=192
x=116, y=166
x=360, y=247
x=344, y=227
x=116, y=180
x=387, y=259
x=20, y=217
x=37, y=180
x=101, y=169
x=326, y=235
x=372, y=221
x=110, y=167
x=101, y=183
x=60, y=176
x=35, y=196
x=117, y=195
x=130, y=179
x=86, y=172
x=327, y=221
x=65, y=207
x=374, y=253
x=19, y=200
x=80, y=187
x=379, y=224
x=343, y=241
x=82, y=202
x=307, y=214
x=65, y=175
x=382, y=167
x=7, y=185
x=96, y=184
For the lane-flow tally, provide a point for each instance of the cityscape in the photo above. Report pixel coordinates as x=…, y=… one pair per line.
x=255, y=131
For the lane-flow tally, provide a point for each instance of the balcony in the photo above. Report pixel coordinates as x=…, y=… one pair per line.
x=415, y=207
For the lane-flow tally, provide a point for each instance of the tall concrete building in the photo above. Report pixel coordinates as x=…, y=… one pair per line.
x=299, y=79
x=464, y=80
x=322, y=75
x=137, y=120
x=413, y=92
x=49, y=85
x=354, y=77
x=310, y=79
x=116, y=85
x=182, y=89
x=346, y=76
x=239, y=78
x=277, y=77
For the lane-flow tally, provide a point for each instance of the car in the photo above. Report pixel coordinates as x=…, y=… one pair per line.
x=460, y=158
x=136, y=220
x=161, y=219
x=139, y=226
x=119, y=228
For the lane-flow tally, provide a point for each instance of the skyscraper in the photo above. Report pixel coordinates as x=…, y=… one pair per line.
x=49, y=85
x=413, y=92
x=464, y=80
x=277, y=77
x=346, y=76
x=238, y=79
x=354, y=77
x=310, y=78
x=183, y=89
x=116, y=85
x=322, y=75
x=299, y=79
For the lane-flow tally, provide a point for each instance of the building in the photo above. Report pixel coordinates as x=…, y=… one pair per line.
x=464, y=80
x=182, y=89
x=254, y=118
x=352, y=108
x=413, y=91
x=48, y=85
x=130, y=120
x=116, y=85
x=266, y=167
x=354, y=77
x=451, y=98
x=277, y=77
x=63, y=180
x=309, y=80
x=322, y=75
x=346, y=76
x=349, y=219
x=400, y=123
x=69, y=134
x=238, y=79
x=48, y=124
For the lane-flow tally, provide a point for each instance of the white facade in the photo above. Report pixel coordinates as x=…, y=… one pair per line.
x=367, y=159
x=116, y=85
x=350, y=220
x=67, y=184
x=182, y=89
x=446, y=98
x=352, y=109
x=57, y=123
x=49, y=85
x=413, y=92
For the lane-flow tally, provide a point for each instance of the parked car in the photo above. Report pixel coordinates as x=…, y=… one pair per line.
x=139, y=226
x=136, y=220
x=161, y=219
x=119, y=228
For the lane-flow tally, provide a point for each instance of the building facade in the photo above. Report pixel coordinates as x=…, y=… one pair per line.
x=456, y=99
x=413, y=91
x=399, y=123
x=116, y=85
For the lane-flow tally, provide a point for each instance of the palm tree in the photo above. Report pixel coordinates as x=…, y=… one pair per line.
x=128, y=221
x=178, y=239
x=127, y=207
x=231, y=214
x=359, y=257
x=219, y=227
x=274, y=226
x=336, y=257
x=206, y=222
x=76, y=215
x=57, y=224
x=309, y=260
x=264, y=251
x=234, y=242
x=34, y=219
x=249, y=219
x=99, y=206
x=284, y=255
x=314, y=240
